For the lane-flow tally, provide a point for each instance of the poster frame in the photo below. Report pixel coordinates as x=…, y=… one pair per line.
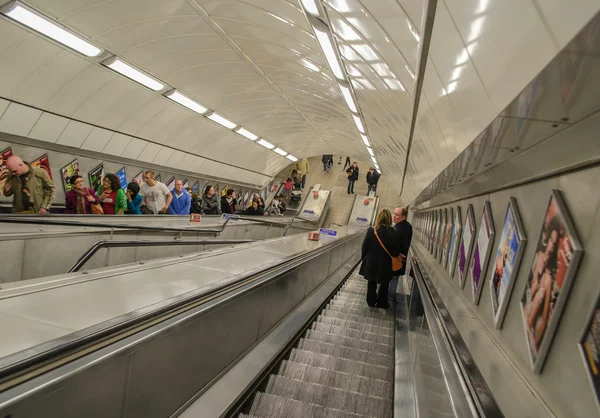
x=546, y=343
x=469, y=223
x=196, y=188
x=7, y=150
x=447, y=237
x=584, y=354
x=513, y=209
x=171, y=183
x=442, y=233
x=67, y=187
x=488, y=218
x=455, y=241
x=139, y=178
x=158, y=177
x=124, y=170
x=39, y=159
x=92, y=171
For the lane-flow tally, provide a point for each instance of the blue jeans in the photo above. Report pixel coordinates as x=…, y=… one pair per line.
x=372, y=187
x=325, y=165
x=351, y=186
x=303, y=180
x=392, y=288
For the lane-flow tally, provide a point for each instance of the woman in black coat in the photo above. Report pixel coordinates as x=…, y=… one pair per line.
x=376, y=264
x=352, y=177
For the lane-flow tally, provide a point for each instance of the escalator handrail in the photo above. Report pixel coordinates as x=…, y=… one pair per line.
x=480, y=394
x=302, y=203
x=154, y=243
x=73, y=345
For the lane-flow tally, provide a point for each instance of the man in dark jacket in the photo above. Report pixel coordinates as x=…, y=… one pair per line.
x=404, y=233
x=228, y=202
x=372, y=179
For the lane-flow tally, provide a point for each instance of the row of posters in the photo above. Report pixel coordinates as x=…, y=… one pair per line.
x=558, y=252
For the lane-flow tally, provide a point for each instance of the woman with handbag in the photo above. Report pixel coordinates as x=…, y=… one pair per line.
x=80, y=200
x=112, y=196
x=380, y=249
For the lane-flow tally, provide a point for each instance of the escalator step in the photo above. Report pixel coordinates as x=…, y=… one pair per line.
x=272, y=406
x=345, y=352
x=378, y=322
x=356, y=325
x=344, y=365
x=329, y=397
x=338, y=380
x=346, y=331
x=349, y=342
x=361, y=311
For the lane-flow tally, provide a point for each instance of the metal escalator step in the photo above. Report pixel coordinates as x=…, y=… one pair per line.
x=361, y=310
x=351, y=342
x=378, y=322
x=329, y=397
x=344, y=365
x=266, y=405
x=356, y=325
x=346, y=352
x=362, y=334
x=338, y=380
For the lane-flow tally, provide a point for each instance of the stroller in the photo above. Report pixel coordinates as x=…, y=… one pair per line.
x=296, y=195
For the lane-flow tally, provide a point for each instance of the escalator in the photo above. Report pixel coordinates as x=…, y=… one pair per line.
x=342, y=367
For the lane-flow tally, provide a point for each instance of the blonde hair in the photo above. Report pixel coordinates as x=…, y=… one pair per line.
x=383, y=218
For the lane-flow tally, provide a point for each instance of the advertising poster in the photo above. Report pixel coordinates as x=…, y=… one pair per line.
x=196, y=188
x=158, y=177
x=441, y=233
x=224, y=191
x=481, y=253
x=68, y=171
x=466, y=244
x=506, y=262
x=447, y=236
x=43, y=162
x=217, y=189
x=122, y=176
x=558, y=252
x=590, y=349
x=246, y=199
x=186, y=183
x=170, y=183
x=4, y=155
x=434, y=221
x=455, y=240
x=96, y=176
x=139, y=178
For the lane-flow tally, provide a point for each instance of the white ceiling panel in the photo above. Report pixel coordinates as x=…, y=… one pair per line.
x=187, y=161
x=19, y=119
x=97, y=139
x=48, y=127
x=175, y=160
x=567, y=18
x=3, y=106
x=117, y=144
x=163, y=156
x=75, y=134
x=134, y=148
x=150, y=152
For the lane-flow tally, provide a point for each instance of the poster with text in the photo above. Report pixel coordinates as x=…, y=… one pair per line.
x=139, y=178
x=558, y=252
x=246, y=199
x=589, y=346
x=68, y=171
x=224, y=191
x=170, y=183
x=4, y=155
x=158, y=177
x=481, y=253
x=196, y=188
x=455, y=240
x=96, y=176
x=43, y=162
x=447, y=236
x=507, y=261
x=466, y=245
x=122, y=176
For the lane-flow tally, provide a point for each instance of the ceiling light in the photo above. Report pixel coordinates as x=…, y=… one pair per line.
x=374, y=160
x=246, y=133
x=370, y=152
x=136, y=75
x=476, y=27
x=456, y=73
x=311, y=7
x=349, y=99
x=365, y=140
x=310, y=65
x=266, y=144
x=280, y=152
x=215, y=117
x=327, y=46
x=291, y=157
x=50, y=29
x=186, y=101
x=451, y=87
x=463, y=57
x=358, y=123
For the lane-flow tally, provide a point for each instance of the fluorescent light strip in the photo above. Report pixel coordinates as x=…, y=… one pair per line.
x=349, y=99
x=246, y=133
x=374, y=160
x=311, y=7
x=52, y=30
x=365, y=140
x=358, y=123
x=291, y=157
x=280, y=152
x=370, y=152
x=215, y=117
x=134, y=74
x=265, y=144
x=186, y=102
x=327, y=46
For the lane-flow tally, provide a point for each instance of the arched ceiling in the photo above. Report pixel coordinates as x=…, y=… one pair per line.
x=257, y=63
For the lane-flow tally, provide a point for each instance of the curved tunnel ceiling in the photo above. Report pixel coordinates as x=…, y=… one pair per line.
x=257, y=63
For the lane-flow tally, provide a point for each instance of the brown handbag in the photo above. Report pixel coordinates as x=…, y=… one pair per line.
x=397, y=262
x=96, y=208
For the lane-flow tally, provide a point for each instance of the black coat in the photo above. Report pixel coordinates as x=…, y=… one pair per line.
x=225, y=208
x=352, y=173
x=376, y=263
x=404, y=235
x=372, y=178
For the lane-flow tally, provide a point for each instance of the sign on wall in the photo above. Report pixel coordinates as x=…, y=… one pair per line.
x=43, y=162
x=96, y=176
x=4, y=155
x=122, y=176
x=68, y=171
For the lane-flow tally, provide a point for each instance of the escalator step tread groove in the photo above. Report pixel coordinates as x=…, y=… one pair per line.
x=273, y=406
x=345, y=352
x=363, y=334
x=355, y=318
x=349, y=342
x=344, y=322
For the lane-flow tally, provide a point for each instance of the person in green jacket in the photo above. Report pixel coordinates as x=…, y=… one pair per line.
x=31, y=187
x=112, y=196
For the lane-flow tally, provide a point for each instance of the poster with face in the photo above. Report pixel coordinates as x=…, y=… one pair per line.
x=170, y=183
x=4, y=155
x=589, y=346
x=122, y=176
x=455, y=240
x=558, y=252
x=43, y=162
x=481, y=253
x=447, y=236
x=507, y=261
x=139, y=178
x=68, y=171
x=466, y=245
x=96, y=176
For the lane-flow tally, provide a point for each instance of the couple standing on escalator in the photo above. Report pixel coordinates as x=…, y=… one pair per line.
x=383, y=249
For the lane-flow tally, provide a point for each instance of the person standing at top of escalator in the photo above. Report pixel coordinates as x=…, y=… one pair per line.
x=372, y=179
x=302, y=166
x=112, y=196
x=79, y=199
x=228, y=202
x=327, y=160
x=181, y=200
x=210, y=205
x=31, y=187
x=352, y=177
x=157, y=196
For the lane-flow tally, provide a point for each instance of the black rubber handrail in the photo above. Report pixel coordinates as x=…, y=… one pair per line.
x=155, y=243
x=288, y=226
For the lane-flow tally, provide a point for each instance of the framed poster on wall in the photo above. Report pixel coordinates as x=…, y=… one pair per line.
x=186, y=183
x=246, y=199
x=4, y=155
x=158, y=177
x=43, y=162
x=440, y=241
x=447, y=236
x=68, y=171
x=482, y=250
x=170, y=183
x=506, y=262
x=466, y=245
x=122, y=176
x=434, y=222
x=589, y=346
x=96, y=176
x=455, y=240
x=558, y=253
x=196, y=188
x=139, y=178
